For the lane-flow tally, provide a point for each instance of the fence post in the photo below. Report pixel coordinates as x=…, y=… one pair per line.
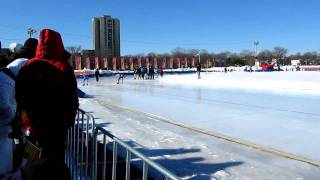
x=114, y=163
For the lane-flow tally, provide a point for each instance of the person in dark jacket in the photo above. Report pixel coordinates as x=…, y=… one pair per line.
x=46, y=89
x=151, y=72
x=161, y=71
x=199, y=70
x=97, y=74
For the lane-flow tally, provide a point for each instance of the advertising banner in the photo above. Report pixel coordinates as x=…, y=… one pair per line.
x=164, y=61
x=178, y=62
x=104, y=63
x=122, y=63
x=96, y=63
x=147, y=62
x=131, y=63
x=78, y=62
x=171, y=62
x=155, y=61
x=88, y=62
x=114, y=63
x=185, y=62
x=139, y=61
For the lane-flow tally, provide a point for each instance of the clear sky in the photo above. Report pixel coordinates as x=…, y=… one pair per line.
x=162, y=25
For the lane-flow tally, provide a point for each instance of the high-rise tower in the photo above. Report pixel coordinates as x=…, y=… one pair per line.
x=106, y=36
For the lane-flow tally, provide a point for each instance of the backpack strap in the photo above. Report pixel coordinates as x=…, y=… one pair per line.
x=8, y=72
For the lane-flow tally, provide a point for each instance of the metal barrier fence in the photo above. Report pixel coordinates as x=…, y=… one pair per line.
x=79, y=157
x=82, y=152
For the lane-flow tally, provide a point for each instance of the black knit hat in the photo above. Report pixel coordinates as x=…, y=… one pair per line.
x=31, y=46
x=27, y=51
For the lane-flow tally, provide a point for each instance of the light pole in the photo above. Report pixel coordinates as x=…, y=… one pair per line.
x=31, y=31
x=199, y=66
x=256, y=44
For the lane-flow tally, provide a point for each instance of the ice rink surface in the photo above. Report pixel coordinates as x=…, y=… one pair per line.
x=279, y=110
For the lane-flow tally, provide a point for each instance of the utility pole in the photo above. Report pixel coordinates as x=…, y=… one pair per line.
x=31, y=31
x=256, y=44
x=199, y=66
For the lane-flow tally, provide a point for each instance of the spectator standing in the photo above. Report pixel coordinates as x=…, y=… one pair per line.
x=8, y=105
x=46, y=89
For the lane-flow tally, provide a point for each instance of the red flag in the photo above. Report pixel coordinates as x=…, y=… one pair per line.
x=88, y=62
x=147, y=61
x=139, y=61
x=131, y=63
x=171, y=62
x=155, y=61
x=105, y=62
x=164, y=61
x=96, y=62
x=193, y=62
x=78, y=62
x=185, y=62
x=122, y=63
x=114, y=63
x=178, y=62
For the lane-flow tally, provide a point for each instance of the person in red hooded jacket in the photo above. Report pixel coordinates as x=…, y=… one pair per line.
x=46, y=89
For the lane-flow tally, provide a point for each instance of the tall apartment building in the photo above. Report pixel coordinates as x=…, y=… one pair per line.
x=106, y=36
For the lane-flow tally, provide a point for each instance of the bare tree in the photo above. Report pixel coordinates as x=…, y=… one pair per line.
x=279, y=53
x=73, y=49
x=178, y=51
x=248, y=56
x=310, y=58
x=265, y=55
x=193, y=52
x=152, y=54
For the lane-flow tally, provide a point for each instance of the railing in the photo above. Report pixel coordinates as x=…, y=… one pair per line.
x=129, y=152
x=79, y=146
x=82, y=152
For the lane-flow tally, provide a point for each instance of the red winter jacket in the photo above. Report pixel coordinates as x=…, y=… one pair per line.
x=46, y=87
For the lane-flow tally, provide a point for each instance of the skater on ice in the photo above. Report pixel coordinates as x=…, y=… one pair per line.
x=121, y=76
x=85, y=74
x=199, y=70
x=97, y=74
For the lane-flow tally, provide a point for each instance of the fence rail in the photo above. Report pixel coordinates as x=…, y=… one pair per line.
x=87, y=161
x=78, y=146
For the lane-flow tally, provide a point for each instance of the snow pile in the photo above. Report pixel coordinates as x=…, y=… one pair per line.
x=304, y=83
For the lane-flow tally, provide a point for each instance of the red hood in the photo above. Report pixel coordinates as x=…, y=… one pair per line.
x=50, y=46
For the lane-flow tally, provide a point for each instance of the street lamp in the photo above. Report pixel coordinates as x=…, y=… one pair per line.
x=256, y=44
x=31, y=31
x=199, y=66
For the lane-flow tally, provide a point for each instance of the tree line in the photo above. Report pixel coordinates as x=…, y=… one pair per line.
x=226, y=58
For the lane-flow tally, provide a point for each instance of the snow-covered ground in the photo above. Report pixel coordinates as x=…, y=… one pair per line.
x=277, y=110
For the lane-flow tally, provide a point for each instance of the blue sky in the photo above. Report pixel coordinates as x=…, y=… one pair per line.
x=160, y=26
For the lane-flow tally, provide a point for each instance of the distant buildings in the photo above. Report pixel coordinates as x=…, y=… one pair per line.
x=106, y=36
x=295, y=62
